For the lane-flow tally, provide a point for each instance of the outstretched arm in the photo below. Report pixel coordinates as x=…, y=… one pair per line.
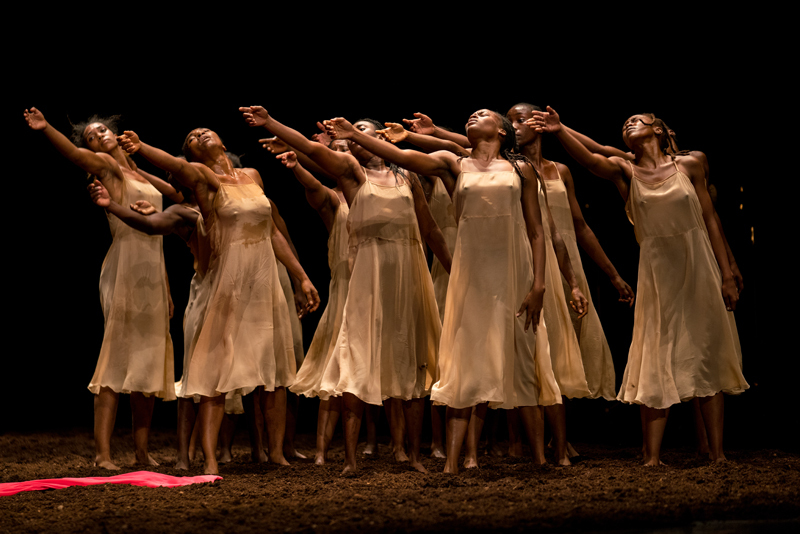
x=586, y=238
x=189, y=175
x=162, y=186
x=415, y=161
x=423, y=125
x=94, y=164
x=159, y=223
x=322, y=198
x=395, y=133
x=336, y=163
x=596, y=148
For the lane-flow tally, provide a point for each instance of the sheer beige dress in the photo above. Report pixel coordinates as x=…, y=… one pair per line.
x=565, y=350
x=136, y=354
x=444, y=215
x=485, y=355
x=388, y=342
x=246, y=337
x=595, y=353
x=309, y=376
x=685, y=343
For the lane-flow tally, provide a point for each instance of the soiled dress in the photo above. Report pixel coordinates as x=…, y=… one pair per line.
x=388, y=342
x=565, y=351
x=685, y=343
x=136, y=354
x=246, y=338
x=595, y=353
x=309, y=376
x=485, y=354
x=200, y=247
x=294, y=320
x=443, y=213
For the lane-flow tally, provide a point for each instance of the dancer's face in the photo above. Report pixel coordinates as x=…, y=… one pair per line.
x=637, y=127
x=201, y=141
x=359, y=152
x=99, y=138
x=525, y=134
x=483, y=121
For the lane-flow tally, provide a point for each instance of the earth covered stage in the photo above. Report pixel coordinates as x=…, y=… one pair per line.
x=46, y=424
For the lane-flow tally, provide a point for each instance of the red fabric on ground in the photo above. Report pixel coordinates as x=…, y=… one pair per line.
x=137, y=478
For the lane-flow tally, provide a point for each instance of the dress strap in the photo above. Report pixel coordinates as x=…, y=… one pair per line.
x=631, y=166
x=558, y=173
x=676, y=165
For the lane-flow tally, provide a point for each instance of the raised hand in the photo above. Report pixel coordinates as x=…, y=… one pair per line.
x=143, y=207
x=255, y=115
x=99, y=194
x=274, y=145
x=129, y=142
x=35, y=119
x=422, y=124
x=532, y=305
x=339, y=128
x=625, y=292
x=393, y=132
x=545, y=121
x=322, y=138
x=579, y=303
x=289, y=159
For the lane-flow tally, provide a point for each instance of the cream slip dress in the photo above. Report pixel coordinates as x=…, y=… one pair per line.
x=485, y=355
x=388, y=342
x=200, y=247
x=595, y=353
x=136, y=354
x=246, y=338
x=309, y=376
x=444, y=214
x=685, y=343
x=565, y=351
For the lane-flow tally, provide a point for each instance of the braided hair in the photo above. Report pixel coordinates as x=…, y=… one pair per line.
x=509, y=149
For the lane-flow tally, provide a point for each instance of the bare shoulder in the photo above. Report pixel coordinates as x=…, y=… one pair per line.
x=253, y=175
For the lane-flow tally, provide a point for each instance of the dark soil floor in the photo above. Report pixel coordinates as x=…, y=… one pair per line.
x=606, y=490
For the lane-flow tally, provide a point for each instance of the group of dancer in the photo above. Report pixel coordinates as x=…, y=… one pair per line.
x=502, y=320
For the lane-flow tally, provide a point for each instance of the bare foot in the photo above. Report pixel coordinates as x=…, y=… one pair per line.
x=564, y=462
x=437, y=451
x=371, y=449
x=400, y=455
x=349, y=469
x=259, y=457
x=496, y=451
x=211, y=467
x=292, y=453
x=145, y=459
x=319, y=458
x=470, y=463
x=654, y=463
x=719, y=459
x=105, y=464
x=571, y=452
x=451, y=468
x=515, y=450
x=182, y=464
x=278, y=459
x=419, y=467
x=224, y=456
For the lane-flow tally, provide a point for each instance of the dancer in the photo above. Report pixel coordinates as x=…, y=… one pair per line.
x=332, y=208
x=136, y=354
x=390, y=328
x=685, y=343
x=245, y=340
x=489, y=353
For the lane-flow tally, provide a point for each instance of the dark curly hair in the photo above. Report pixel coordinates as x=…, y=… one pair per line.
x=111, y=122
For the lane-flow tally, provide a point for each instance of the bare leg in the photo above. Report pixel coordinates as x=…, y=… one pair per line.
x=292, y=405
x=437, y=431
x=397, y=428
x=322, y=426
x=457, y=424
x=226, y=432
x=655, y=421
x=557, y=417
x=142, y=413
x=700, y=429
x=105, y=413
x=273, y=406
x=353, y=410
x=643, y=421
x=187, y=415
x=514, y=437
x=373, y=414
x=713, y=410
x=493, y=417
x=255, y=425
x=212, y=409
x=533, y=421
x=474, y=434
x=413, y=411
